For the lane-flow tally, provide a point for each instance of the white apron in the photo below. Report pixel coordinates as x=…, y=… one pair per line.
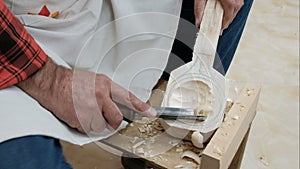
x=128, y=40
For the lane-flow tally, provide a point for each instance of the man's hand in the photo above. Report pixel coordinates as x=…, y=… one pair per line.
x=199, y=6
x=231, y=8
x=84, y=100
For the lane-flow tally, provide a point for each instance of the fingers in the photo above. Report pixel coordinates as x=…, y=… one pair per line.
x=142, y=107
x=112, y=114
x=199, y=6
x=231, y=9
x=124, y=97
x=97, y=123
x=107, y=115
x=227, y=18
x=107, y=93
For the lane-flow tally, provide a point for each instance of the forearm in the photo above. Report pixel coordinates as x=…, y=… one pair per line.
x=20, y=55
x=51, y=86
x=41, y=84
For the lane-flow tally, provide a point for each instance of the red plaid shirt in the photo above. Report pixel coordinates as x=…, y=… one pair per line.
x=20, y=55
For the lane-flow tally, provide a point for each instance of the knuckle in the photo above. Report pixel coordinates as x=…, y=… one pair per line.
x=101, y=95
x=99, y=92
x=134, y=101
x=103, y=85
x=105, y=79
x=238, y=4
x=137, y=103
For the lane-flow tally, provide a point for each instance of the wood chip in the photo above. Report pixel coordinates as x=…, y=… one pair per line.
x=218, y=150
x=133, y=140
x=173, y=142
x=197, y=139
x=137, y=145
x=179, y=166
x=236, y=117
x=140, y=151
x=229, y=104
x=191, y=155
x=141, y=129
x=179, y=150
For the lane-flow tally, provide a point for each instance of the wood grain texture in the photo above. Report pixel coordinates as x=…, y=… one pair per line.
x=224, y=144
x=210, y=29
x=205, y=49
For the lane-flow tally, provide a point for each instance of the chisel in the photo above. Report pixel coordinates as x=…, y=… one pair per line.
x=168, y=113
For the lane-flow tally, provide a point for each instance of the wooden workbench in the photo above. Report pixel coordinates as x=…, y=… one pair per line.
x=147, y=140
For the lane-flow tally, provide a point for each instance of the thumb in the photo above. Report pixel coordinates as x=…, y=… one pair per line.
x=199, y=6
x=141, y=106
x=126, y=98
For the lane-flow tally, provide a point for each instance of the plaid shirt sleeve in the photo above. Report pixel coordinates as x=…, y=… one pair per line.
x=20, y=55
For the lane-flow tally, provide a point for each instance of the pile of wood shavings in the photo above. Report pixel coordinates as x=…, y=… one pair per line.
x=144, y=132
x=144, y=129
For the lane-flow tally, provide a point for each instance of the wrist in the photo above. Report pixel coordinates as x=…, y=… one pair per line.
x=44, y=81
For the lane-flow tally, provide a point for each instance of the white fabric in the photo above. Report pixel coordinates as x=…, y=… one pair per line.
x=132, y=50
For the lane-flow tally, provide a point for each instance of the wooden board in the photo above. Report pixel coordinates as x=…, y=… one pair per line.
x=160, y=150
x=205, y=48
x=217, y=154
x=210, y=29
x=224, y=144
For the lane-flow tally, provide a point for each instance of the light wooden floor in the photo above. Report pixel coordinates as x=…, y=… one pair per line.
x=268, y=55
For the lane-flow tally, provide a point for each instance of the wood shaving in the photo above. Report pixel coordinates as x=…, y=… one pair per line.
x=218, y=150
x=204, y=110
x=137, y=145
x=197, y=139
x=191, y=155
x=158, y=127
x=242, y=108
x=229, y=104
x=141, y=129
x=179, y=150
x=173, y=142
x=179, y=166
x=236, y=117
x=133, y=140
x=140, y=151
x=148, y=128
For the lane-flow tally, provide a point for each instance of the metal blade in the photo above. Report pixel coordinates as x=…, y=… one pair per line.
x=170, y=113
